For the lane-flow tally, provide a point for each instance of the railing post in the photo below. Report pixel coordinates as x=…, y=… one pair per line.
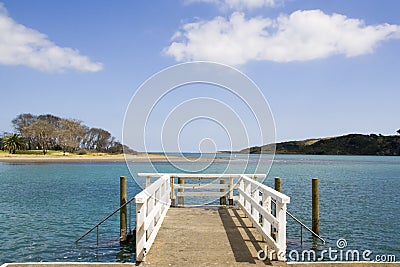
x=247, y=190
x=168, y=196
x=149, y=209
x=181, y=201
x=256, y=197
x=123, y=212
x=278, y=187
x=172, y=186
x=281, y=231
x=241, y=186
x=140, y=231
x=266, y=203
x=222, y=199
x=148, y=181
x=158, y=199
x=230, y=191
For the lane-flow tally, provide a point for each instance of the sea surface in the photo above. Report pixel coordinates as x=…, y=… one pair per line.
x=45, y=207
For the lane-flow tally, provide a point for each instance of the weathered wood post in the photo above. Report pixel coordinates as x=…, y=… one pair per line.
x=148, y=181
x=122, y=212
x=172, y=182
x=181, y=182
x=278, y=184
x=230, y=191
x=315, y=206
x=222, y=199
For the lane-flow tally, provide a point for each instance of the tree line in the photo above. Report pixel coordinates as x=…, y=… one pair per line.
x=49, y=132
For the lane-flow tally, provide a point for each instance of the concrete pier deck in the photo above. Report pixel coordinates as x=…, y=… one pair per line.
x=207, y=236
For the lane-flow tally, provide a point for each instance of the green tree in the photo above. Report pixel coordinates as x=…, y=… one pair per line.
x=12, y=143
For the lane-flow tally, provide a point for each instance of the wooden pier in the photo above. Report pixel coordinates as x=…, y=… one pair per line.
x=246, y=233
x=247, y=228
x=206, y=236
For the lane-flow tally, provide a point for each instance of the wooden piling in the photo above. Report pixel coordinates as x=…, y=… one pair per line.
x=222, y=199
x=315, y=206
x=123, y=211
x=172, y=181
x=230, y=191
x=278, y=184
x=181, y=182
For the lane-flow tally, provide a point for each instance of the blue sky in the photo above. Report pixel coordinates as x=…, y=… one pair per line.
x=326, y=67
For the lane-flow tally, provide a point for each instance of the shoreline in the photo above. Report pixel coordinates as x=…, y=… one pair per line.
x=26, y=158
x=21, y=158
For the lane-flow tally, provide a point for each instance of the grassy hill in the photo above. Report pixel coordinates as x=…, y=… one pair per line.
x=351, y=144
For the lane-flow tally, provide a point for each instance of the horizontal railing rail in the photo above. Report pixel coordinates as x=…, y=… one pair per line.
x=224, y=189
x=202, y=176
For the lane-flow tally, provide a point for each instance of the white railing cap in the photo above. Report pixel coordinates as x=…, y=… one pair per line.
x=147, y=192
x=200, y=175
x=280, y=197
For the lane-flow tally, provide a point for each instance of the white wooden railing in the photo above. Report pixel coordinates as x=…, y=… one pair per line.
x=152, y=205
x=193, y=185
x=255, y=200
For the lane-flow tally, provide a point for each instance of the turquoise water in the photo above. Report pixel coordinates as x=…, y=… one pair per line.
x=44, y=208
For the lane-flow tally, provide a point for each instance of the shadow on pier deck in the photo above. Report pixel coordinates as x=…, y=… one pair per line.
x=208, y=236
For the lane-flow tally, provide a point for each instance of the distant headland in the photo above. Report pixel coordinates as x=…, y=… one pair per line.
x=350, y=144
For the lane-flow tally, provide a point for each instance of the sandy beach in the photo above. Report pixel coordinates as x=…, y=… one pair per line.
x=97, y=157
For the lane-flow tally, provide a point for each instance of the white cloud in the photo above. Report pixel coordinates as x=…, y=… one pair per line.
x=240, y=4
x=300, y=36
x=20, y=45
